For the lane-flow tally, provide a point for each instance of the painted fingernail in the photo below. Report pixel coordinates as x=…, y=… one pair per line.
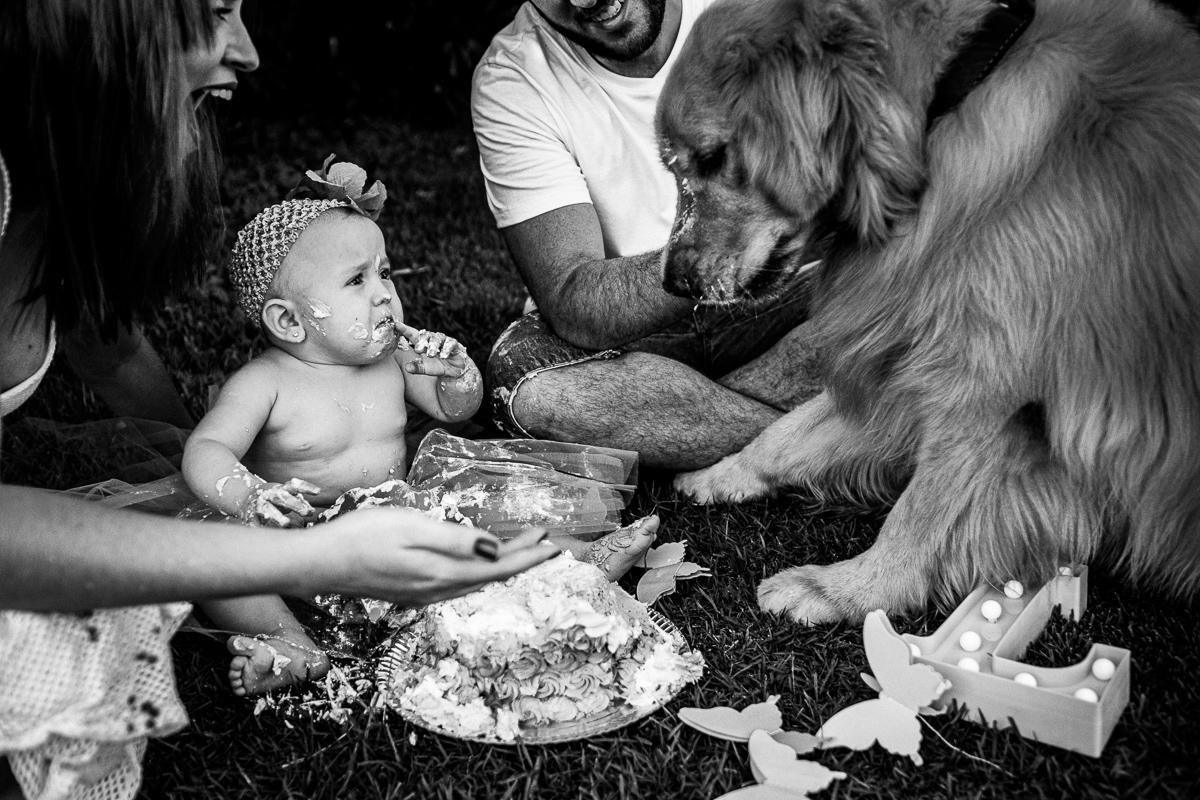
x=486, y=548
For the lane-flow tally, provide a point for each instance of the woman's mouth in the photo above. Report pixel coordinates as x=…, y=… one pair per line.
x=221, y=92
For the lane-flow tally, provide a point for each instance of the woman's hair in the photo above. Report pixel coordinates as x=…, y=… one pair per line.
x=102, y=140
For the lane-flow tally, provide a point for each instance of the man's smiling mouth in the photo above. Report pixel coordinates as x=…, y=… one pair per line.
x=606, y=12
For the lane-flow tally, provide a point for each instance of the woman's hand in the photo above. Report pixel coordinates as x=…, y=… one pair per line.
x=104, y=557
x=405, y=557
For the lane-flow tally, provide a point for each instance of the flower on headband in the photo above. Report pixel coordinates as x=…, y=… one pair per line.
x=342, y=181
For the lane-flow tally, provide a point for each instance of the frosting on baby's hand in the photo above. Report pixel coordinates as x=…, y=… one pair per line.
x=442, y=355
x=263, y=506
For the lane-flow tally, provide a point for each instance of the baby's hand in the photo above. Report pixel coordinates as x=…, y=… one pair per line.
x=443, y=356
x=265, y=501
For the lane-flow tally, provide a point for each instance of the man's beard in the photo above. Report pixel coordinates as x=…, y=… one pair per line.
x=628, y=49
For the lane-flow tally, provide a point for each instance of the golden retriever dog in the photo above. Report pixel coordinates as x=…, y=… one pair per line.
x=1009, y=300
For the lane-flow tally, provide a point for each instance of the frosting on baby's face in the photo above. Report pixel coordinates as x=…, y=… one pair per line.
x=338, y=279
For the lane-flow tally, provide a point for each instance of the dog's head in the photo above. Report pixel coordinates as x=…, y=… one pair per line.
x=779, y=118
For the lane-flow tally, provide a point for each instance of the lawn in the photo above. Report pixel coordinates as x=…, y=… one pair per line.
x=438, y=227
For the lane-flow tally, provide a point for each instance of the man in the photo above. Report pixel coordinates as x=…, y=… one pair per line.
x=563, y=106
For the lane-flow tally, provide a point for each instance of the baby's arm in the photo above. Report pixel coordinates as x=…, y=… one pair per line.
x=211, y=459
x=440, y=378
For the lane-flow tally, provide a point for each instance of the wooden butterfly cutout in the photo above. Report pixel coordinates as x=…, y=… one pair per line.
x=733, y=725
x=664, y=566
x=905, y=691
x=780, y=775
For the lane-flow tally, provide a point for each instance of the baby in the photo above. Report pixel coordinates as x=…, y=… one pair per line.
x=323, y=409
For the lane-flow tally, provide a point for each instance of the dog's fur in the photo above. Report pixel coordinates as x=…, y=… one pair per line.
x=1010, y=299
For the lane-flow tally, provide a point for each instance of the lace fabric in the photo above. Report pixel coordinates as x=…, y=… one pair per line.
x=79, y=694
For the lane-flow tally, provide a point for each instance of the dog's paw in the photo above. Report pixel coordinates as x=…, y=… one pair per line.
x=723, y=482
x=799, y=594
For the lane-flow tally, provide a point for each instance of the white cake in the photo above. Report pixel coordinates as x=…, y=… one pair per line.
x=554, y=644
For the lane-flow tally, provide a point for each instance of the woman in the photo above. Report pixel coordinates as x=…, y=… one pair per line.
x=108, y=181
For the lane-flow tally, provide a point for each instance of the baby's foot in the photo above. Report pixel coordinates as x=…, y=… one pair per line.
x=262, y=664
x=615, y=553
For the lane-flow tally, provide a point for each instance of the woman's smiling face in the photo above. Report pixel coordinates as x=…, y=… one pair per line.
x=338, y=276
x=212, y=67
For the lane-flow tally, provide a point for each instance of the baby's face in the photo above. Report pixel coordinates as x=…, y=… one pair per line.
x=338, y=275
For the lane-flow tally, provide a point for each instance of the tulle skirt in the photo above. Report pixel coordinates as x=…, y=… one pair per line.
x=501, y=485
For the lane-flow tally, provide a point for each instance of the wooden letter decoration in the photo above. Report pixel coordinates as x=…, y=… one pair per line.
x=1074, y=707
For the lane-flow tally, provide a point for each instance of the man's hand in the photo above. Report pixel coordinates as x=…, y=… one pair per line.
x=591, y=301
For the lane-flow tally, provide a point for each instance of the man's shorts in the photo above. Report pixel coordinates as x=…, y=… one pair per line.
x=713, y=340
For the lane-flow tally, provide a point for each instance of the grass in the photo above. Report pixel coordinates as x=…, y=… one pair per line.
x=436, y=223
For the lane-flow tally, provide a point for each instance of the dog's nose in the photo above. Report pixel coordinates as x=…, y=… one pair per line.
x=677, y=278
x=679, y=287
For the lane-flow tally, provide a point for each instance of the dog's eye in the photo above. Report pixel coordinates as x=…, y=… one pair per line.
x=710, y=163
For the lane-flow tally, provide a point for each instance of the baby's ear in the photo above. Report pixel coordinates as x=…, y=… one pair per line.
x=281, y=321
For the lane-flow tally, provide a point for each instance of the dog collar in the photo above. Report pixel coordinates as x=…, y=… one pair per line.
x=1002, y=26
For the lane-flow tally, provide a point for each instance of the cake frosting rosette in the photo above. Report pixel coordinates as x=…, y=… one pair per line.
x=555, y=644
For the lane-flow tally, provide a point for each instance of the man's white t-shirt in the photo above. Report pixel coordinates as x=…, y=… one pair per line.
x=556, y=128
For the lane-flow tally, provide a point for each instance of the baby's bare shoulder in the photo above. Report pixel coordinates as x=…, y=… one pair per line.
x=264, y=371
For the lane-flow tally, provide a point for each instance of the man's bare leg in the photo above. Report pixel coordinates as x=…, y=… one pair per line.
x=672, y=415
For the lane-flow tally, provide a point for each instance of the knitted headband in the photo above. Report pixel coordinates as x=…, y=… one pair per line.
x=264, y=243
x=268, y=238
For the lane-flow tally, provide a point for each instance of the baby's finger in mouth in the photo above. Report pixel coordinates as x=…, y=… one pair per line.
x=408, y=332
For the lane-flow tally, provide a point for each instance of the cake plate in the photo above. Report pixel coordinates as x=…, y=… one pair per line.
x=398, y=660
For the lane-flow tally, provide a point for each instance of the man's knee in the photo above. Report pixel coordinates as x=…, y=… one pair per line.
x=525, y=352
x=530, y=407
x=543, y=404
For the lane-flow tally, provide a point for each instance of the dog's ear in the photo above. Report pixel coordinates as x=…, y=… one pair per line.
x=822, y=125
x=881, y=144
x=873, y=130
